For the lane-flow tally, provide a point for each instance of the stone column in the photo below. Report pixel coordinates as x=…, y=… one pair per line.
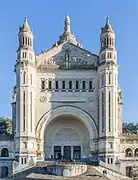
x=72, y=152
x=62, y=151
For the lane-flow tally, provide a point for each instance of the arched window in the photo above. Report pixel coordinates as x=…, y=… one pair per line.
x=110, y=41
x=28, y=42
x=110, y=56
x=4, y=171
x=102, y=79
x=136, y=152
x=109, y=78
x=128, y=152
x=104, y=41
x=24, y=77
x=25, y=40
x=4, y=152
x=107, y=41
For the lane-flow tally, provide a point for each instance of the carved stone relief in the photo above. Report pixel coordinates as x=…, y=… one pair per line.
x=43, y=99
x=67, y=134
x=69, y=56
x=90, y=100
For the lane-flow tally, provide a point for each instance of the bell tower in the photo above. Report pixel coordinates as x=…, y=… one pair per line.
x=25, y=96
x=108, y=96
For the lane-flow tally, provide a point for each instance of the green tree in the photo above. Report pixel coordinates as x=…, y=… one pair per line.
x=5, y=126
x=130, y=128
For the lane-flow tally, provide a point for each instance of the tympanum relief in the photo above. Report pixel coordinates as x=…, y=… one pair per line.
x=67, y=134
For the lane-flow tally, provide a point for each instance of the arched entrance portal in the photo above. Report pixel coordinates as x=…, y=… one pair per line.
x=66, y=137
x=66, y=130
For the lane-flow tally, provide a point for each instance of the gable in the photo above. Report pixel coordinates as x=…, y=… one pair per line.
x=67, y=56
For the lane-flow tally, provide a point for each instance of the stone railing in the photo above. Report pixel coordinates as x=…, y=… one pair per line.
x=112, y=172
x=69, y=170
x=19, y=168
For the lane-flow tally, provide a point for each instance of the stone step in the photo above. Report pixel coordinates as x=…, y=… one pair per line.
x=40, y=172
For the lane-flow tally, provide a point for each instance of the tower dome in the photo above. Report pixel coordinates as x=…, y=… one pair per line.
x=25, y=27
x=107, y=27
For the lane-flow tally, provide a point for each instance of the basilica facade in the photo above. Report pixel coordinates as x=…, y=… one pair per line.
x=67, y=103
x=66, y=98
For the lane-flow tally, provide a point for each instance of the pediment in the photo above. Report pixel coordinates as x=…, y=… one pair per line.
x=67, y=56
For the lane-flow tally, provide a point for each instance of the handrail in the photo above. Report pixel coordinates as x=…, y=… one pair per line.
x=105, y=166
x=23, y=169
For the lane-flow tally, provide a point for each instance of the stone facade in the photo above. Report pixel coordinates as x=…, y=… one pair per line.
x=67, y=102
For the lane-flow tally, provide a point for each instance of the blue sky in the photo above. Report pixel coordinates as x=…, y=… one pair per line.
x=47, y=17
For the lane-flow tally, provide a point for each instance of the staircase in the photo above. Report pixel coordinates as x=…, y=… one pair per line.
x=39, y=171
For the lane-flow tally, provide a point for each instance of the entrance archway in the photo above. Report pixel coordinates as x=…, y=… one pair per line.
x=80, y=125
x=66, y=137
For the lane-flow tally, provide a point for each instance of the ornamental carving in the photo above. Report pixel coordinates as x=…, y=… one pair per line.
x=67, y=134
x=43, y=99
x=69, y=56
x=90, y=100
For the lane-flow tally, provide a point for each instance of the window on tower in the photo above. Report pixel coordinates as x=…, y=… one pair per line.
x=21, y=160
x=23, y=41
x=30, y=42
x=24, y=55
x=108, y=160
x=109, y=110
x=24, y=112
x=49, y=85
x=31, y=102
x=102, y=79
x=103, y=113
x=109, y=78
x=42, y=84
x=107, y=41
x=104, y=41
x=109, y=55
x=31, y=79
x=25, y=160
x=24, y=77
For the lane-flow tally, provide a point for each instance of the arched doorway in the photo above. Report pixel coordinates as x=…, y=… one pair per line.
x=64, y=121
x=4, y=171
x=66, y=137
